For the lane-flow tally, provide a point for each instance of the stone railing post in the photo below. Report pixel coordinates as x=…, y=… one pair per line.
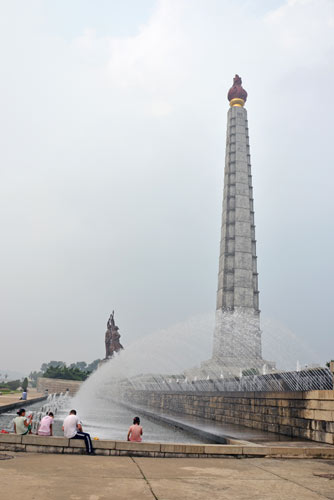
x=331, y=367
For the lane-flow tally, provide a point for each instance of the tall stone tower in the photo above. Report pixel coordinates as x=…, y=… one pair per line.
x=237, y=336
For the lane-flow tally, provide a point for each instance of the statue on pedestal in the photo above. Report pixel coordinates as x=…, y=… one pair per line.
x=112, y=338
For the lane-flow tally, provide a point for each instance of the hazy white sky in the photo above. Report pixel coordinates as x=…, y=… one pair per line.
x=113, y=117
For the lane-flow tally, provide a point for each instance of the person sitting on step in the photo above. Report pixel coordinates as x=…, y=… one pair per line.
x=72, y=428
x=22, y=425
x=135, y=431
x=45, y=425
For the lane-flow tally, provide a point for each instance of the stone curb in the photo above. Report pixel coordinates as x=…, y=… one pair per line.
x=54, y=444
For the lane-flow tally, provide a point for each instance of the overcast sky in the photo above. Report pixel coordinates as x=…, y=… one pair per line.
x=113, y=123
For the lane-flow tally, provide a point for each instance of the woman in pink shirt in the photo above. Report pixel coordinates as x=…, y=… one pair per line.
x=135, y=431
x=45, y=425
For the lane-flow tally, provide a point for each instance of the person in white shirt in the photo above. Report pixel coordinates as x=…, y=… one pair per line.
x=73, y=430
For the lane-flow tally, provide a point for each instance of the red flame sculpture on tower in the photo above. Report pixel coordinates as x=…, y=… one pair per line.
x=237, y=95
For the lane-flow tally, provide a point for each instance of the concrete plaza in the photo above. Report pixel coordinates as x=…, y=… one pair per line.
x=62, y=477
x=9, y=399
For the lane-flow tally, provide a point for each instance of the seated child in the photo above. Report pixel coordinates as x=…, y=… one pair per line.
x=45, y=425
x=135, y=431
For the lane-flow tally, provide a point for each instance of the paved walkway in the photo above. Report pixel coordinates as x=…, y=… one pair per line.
x=55, y=477
x=7, y=399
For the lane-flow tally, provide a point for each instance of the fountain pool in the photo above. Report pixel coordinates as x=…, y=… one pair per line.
x=109, y=421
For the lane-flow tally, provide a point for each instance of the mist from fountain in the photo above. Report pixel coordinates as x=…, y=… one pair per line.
x=54, y=403
x=163, y=360
x=250, y=372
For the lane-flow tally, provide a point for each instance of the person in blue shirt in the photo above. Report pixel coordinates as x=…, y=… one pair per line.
x=24, y=396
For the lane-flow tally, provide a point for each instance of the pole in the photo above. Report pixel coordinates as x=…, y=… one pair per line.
x=331, y=367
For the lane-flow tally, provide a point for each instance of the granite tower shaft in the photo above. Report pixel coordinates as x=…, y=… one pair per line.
x=237, y=337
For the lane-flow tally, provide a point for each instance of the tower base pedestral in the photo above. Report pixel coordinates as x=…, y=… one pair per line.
x=236, y=348
x=237, y=335
x=227, y=368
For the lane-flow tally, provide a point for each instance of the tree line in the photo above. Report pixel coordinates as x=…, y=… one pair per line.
x=59, y=369
x=54, y=369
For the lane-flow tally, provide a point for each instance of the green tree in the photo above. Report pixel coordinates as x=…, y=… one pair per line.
x=33, y=376
x=66, y=373
x=13, y=384
x=81, y=365
x=51, y=364
x=58, y=369
x=93, y=365
x=24, y=384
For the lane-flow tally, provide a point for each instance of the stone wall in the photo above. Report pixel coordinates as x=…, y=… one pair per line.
x=52, y=444
x=308, y=415
x=55, y=385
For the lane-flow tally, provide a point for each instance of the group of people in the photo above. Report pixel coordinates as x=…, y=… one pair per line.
x=23, y=425
x=72, y=428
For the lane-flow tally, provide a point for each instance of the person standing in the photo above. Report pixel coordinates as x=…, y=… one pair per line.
x=45, y=425
x=135, y=431
x=22, y=425
x=73, y=430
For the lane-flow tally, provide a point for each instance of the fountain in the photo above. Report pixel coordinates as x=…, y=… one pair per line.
x=54, y=403
x=160, y=363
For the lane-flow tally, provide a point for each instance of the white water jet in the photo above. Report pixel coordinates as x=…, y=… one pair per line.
x=158, y=361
